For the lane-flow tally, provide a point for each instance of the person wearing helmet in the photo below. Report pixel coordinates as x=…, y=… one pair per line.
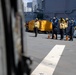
x=55, y=27
x=66, y=29
x=36, y=26
x=61, y=27
x=71, y=29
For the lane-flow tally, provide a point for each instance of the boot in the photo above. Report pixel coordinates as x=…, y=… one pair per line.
x=54, y=36
x=48, y=36
x=71, y=39
x=67, y=38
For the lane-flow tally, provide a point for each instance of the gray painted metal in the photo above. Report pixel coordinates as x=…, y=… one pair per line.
x=3, y=64
x=59, y=8
x=40, y=46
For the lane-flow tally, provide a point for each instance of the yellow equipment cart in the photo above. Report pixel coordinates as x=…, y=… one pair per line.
x=45, y=26
x=31, y=25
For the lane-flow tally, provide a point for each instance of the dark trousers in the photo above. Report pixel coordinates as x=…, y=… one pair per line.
x=71, y=31
x=67, y=31
x=36, y=31
x=62, y=33
x=26, y=29
x=54, y=31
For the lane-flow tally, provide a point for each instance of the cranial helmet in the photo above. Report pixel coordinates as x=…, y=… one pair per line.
x=67, y=19
x=36, y=18
x=54, y=17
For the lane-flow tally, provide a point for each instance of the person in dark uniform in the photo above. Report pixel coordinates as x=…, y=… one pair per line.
x=71, y=29
x=62, y=27
x=36, y=27
x=66, y=29
x=55, y=27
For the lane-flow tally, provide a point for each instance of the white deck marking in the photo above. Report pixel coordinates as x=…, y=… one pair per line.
x=49, y=63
